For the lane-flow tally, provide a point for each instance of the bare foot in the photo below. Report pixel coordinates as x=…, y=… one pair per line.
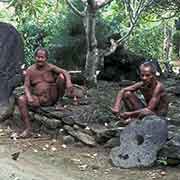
x=14, y=135
x=25, y=134
x=114, y=110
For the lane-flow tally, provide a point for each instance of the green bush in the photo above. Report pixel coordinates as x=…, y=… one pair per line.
x=148, y=41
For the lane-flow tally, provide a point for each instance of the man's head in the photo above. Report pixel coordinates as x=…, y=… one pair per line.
x=41, y=56
x=147, y=72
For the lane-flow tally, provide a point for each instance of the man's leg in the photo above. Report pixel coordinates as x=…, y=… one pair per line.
x=23, y=109
x=132, y=102
x=61, y=85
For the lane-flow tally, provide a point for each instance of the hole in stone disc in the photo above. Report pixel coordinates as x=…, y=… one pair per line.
x=123, y=156
x=140, y=139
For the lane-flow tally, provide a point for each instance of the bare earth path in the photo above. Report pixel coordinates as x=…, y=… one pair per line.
x=48, y=160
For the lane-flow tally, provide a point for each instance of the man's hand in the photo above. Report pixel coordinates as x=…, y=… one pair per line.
x=33, y=101
x=125, y=115
x=145, y=112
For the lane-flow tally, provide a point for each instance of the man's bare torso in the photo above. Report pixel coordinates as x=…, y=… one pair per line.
x=43, y=84
x=162, y=106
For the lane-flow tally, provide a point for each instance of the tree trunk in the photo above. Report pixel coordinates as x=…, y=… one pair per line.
x=167, y=49
x=167, y=43
x=92, y=55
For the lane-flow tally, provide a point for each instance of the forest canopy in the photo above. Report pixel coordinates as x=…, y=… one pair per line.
x=61, y=23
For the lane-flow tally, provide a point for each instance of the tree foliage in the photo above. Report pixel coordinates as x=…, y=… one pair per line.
x=54, y=19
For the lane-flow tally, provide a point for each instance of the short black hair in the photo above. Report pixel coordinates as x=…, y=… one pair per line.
x=151, y=65
x=42, y=49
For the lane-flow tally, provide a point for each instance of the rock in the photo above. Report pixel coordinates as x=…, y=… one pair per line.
x=79, y=144
x=177, y=90
x=11, y=59
x=85, y=138
x=52, y=132
x=140, y=141
x=87, y=130
x=36, y=126
x=68, y=140
x=123, y=64
x=103, y=136
x=175, y=122
x=6, y=111
x=170, y=134
x=51, y=113
x=171, y=151
x=79, y=91
x=76, y=127
x=113, y=142
x=171, y=127
x=61, y=132
x=77, y=77
x=170, y=90
x=68, y=120
x=15, y=155
x=49, y=123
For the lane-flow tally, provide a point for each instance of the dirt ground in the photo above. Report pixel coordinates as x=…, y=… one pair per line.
x=46, y=159
x=43, y=158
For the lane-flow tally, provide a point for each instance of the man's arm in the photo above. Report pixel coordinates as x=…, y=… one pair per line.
x=27, y=86
x=154, y=101
x=149, y=109
x=64, y=72
x=117, y=104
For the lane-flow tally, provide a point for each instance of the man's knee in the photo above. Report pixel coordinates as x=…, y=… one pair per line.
x=22, y=100
x=127, y=94
x=61, y=77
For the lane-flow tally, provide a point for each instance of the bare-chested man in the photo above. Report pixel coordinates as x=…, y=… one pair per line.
x=44, y=84
x=155, y=97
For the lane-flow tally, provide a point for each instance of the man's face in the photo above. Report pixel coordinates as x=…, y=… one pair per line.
x=41, y=58
x=146, y=75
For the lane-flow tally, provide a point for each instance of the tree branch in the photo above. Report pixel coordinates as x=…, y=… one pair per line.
x=84, y=1
x=134, y=10
x=102, y=4
x=112, y=47
x=129, y=9
x=74, y=9
x=134, y=16
x=127, y=34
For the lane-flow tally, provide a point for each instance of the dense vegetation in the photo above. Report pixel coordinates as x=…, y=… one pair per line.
x=52, y=24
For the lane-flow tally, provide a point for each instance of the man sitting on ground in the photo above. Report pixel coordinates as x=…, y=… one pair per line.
x=154, y=94
x=44, y=84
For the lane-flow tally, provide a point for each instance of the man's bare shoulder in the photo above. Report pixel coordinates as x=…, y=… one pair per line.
x=31, y=68
x=55, y=68
x=160, y=85
x=134, y=87
x=51, y=66
x=159, y=89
